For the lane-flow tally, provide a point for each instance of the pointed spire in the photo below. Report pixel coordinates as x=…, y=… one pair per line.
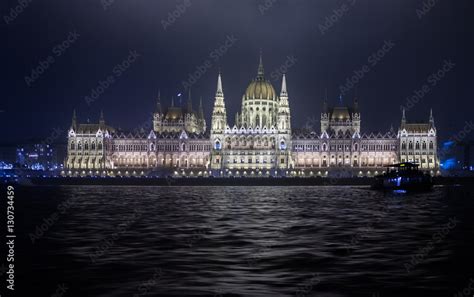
x=284, y=91
x=404, y=120
x=74, y=119
x=101, y=120
x=201, y=109
x=237, y=119
x=158, y=103
x=190, y=103
x=356, y=102
x=261, y=70
x=219, y=92
x=431, y=116
x=325, y=102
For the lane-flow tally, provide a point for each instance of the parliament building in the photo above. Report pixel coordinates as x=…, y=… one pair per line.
x=260, y=143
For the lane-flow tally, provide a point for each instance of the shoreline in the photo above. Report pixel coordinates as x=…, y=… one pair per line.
x=218, y=181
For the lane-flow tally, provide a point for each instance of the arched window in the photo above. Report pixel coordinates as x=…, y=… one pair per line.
x=404, y=145
x=410, y=145
x=431, y=145
x=324, y=147
x=93, y=146
x=424, y=145
x=72, y=145
x=79, y=145
x=356, y=147
x=417, y=145
x=86, y=146
x=99, y=146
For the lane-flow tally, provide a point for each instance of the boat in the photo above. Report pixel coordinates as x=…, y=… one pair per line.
x=403, y=177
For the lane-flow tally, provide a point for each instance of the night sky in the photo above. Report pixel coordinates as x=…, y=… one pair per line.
x=329, y=41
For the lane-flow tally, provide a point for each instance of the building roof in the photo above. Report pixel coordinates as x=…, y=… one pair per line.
x=92, y=128
x=416, y=127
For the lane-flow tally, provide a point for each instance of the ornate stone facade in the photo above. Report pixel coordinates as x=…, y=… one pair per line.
x=260, y=143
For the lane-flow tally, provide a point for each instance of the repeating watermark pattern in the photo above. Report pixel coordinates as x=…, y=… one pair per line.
x=176, y=14
x=431, y=82
x=57, y=132
x=57, y=51
x=372, y=61
x=145, y=287
x=117, y=71
x=423, y=252
x=425, y=8
x=106, y=3
x=197, y=236
x=467, y=291
x=311, y=124
x=60, y=290
x=267, y=5
x=369, y=228
x=48, y=222
x=456, y=139
x=110, y=241
x=283, y=68
x=214, y=56
x=336, y=16
x=305, y=288
x=16, y=11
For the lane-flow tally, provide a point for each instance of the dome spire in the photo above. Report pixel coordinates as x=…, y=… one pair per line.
x=261, y=70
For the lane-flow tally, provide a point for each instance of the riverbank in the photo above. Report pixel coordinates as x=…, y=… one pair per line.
x=215, y=181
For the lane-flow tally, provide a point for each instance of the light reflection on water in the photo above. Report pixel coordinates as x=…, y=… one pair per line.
x=248, y=241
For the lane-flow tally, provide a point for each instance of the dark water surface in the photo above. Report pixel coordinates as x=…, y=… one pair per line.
x=242, y=241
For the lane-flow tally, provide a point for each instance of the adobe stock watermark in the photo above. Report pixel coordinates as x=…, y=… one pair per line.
x=60, y=290
x=305, y=288
x=425, y=8
x=176, y=14
x=57, y=51
x=57, y=132
x=145, y=287
x=283, y=68
x=48, y=222
x=214, y=56
x=438, y=237
x=456, y=139
x=372, y=61
x=431, y=82
x=16, y=11
x=117, y=72
x=336, y=16
x=468, y=291
x=107, y=243
x=267, y=5
x=106, y=4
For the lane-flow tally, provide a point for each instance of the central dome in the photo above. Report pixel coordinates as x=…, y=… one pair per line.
x=260, y=89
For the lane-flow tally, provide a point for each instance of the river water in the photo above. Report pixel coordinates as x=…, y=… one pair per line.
x=242, y=241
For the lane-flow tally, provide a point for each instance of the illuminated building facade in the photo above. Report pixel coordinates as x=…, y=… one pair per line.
x=260, y=143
